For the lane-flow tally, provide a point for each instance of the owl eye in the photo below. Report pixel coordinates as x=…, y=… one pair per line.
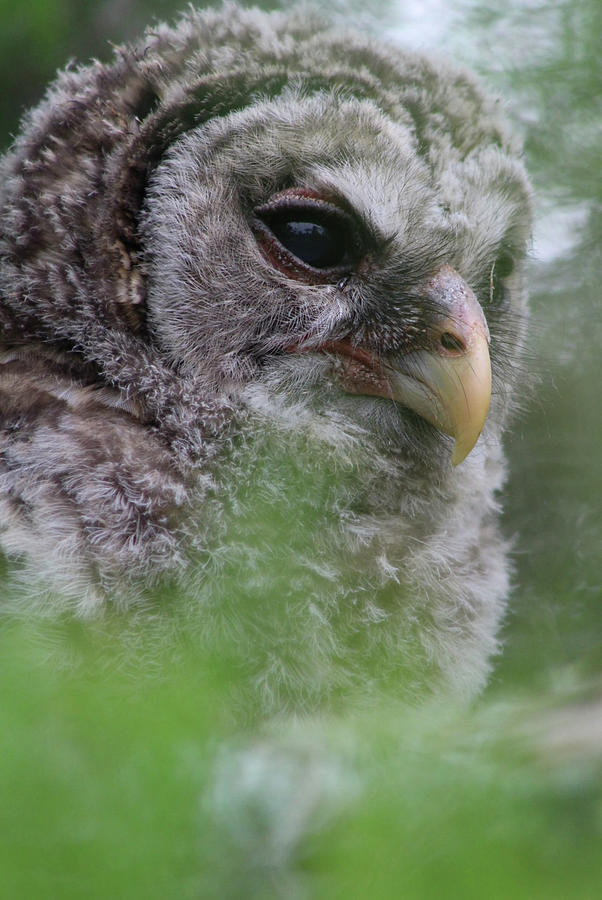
x=307, y=236
x=321, y=245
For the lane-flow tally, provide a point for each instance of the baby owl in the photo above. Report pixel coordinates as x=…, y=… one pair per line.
x=261, y=314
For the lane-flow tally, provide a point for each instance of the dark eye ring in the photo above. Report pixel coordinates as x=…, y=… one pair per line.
x=305, y=235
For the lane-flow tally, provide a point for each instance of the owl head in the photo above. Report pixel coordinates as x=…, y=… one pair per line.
x=255, y=200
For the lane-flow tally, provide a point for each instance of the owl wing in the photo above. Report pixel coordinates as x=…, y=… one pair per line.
x=85, y=484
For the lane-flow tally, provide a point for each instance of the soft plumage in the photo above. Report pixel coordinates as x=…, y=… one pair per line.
x=193, y=416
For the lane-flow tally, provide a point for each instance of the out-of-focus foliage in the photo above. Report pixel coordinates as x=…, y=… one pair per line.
x=143, y=785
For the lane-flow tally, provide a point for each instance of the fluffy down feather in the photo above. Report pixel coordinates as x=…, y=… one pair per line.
x=176, y=433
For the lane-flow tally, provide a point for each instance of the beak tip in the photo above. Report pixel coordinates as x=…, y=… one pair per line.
x=458, y=455
x=464, y=445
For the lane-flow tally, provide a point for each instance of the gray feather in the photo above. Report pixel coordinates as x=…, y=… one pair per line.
x=155, y=426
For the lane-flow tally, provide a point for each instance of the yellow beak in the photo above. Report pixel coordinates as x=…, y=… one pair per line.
x=449, y=383
x=452, y=393
x=446, y=379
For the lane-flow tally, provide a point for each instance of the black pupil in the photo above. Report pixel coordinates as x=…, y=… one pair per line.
x=317, y=244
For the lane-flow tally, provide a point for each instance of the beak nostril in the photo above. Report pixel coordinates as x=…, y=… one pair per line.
x=451, y=342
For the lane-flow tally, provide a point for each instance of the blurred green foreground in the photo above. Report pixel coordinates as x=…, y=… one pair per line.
x=128, y=785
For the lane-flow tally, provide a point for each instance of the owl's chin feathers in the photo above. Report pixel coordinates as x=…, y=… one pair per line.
x=309, y=390
x=328, y=571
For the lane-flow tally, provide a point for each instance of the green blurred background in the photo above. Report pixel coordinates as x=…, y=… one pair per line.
x=112, y=784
